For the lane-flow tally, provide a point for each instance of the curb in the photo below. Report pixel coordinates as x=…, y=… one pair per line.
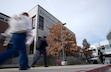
x=99, y=69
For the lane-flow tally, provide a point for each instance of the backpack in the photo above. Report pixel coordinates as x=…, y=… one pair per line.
x=39, y=44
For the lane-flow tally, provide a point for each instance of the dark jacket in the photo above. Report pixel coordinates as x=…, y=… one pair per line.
x=44, y=44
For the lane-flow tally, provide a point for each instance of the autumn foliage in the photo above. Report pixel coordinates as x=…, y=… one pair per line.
x=57, y=34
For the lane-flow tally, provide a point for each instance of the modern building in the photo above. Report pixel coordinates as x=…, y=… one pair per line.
x=41, y=21
x=105, y=47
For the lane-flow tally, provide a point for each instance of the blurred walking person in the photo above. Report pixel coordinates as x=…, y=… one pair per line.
x=41, y=50
x=20, y=27
x=100, y=54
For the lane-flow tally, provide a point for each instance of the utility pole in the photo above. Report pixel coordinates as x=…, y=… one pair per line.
x=63, y=62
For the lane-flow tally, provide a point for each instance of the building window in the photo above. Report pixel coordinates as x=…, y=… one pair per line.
x=41, y=22
x=102, y=48
x=33, y=21
x=94, y=50
x=1, y=18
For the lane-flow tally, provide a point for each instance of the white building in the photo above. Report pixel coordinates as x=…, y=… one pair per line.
x=105, y=47
x=41, y=21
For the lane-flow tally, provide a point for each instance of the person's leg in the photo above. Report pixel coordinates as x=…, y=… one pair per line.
x=23, y=59
x=45, y=59
x=36, y=57
x=7, y=54
x=102, y=60
x=20, y=46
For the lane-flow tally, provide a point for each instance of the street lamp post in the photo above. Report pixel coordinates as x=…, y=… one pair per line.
x=63, y=52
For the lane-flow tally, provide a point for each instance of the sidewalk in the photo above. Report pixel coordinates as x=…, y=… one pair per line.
x=68, y=68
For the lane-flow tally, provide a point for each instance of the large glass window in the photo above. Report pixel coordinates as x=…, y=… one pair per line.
x=41, y=22
x=33, y=21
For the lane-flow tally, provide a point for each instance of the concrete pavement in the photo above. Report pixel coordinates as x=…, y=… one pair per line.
x=68, y=68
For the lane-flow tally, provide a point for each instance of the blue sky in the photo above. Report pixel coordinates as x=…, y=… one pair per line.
x=90, y=19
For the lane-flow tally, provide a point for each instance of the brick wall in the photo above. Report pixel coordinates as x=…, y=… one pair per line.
x=3, y=27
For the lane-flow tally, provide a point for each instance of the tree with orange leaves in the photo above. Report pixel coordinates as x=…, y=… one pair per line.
x=55, y=41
